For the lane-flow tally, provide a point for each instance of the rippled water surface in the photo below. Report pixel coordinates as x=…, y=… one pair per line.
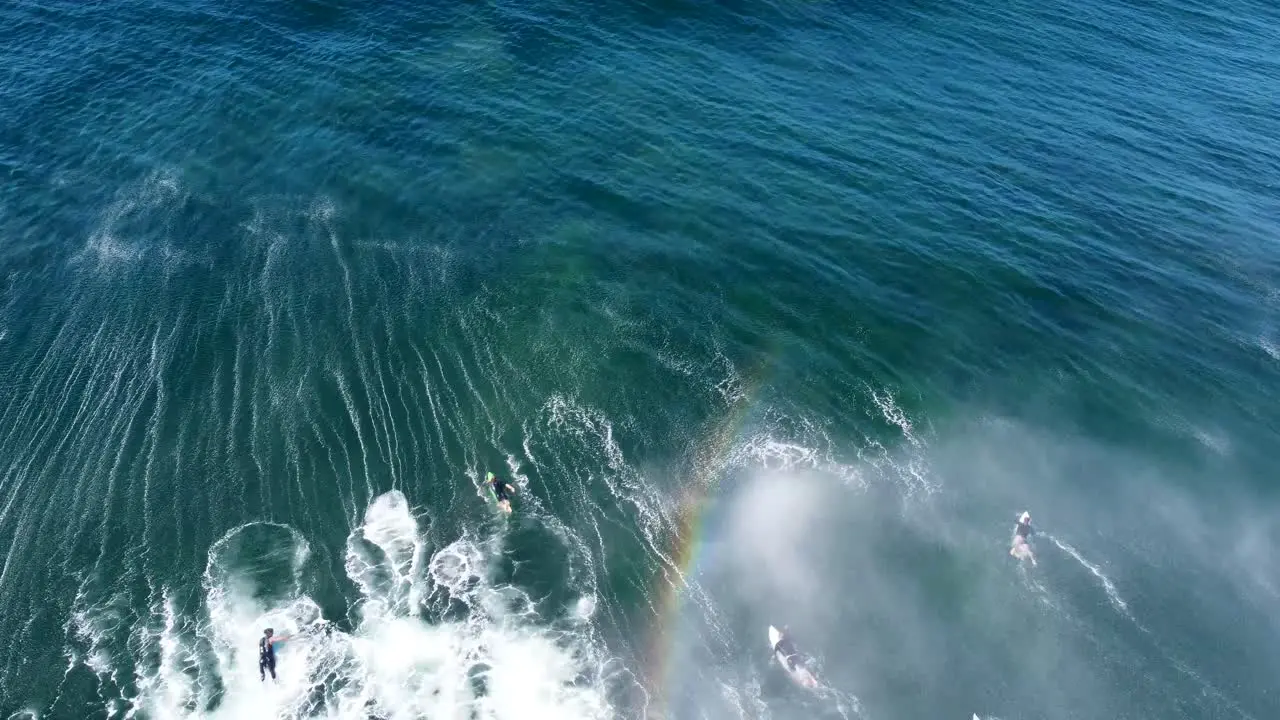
x=772, y=312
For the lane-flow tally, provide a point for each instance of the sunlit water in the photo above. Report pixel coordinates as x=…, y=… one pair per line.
x=774, y=313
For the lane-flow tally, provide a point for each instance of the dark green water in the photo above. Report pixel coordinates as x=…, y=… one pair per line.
x=774, y=312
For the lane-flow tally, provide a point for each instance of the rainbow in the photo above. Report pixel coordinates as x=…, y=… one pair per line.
x=687, y=542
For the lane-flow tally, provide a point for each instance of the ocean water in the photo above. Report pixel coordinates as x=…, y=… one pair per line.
x=774, y=312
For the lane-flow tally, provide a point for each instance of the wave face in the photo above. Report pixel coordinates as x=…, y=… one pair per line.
x=772, y=312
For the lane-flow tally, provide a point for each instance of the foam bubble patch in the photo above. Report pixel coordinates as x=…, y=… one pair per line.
x=498, y=659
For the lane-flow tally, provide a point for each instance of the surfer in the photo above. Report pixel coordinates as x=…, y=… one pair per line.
x=500, y=490
x=789, y=658
x=786, y=648
x=1021, y=549
x=267, y=653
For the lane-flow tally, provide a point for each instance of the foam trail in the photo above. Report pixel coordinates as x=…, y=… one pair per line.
x=1112, y=594
x=894, y=415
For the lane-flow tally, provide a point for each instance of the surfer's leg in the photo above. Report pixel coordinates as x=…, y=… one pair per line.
x=1022, y=550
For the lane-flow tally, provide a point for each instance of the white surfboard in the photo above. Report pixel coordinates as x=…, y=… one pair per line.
x=800, y=675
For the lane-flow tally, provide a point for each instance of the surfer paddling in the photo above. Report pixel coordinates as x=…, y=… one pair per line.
x=1021, y=548
x=789, y=658
x=787, y=649
x=500, y=492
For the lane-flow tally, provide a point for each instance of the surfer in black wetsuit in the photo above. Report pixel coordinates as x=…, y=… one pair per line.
x=787, y=648
x=1023, y=528
x=1021, y=533
x=500, y=490
x=267, y=653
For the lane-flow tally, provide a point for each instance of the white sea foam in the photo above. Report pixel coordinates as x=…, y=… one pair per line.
x=894, y=415
x=592, y=431
x=584, y=608
x=1269, y=347
x=112, y=243
x=496, y=661
x=567, y=416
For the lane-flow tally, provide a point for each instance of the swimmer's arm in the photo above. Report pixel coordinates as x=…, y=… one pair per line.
x=510, y=489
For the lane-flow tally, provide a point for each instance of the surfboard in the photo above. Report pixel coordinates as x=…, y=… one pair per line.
x=801, y=675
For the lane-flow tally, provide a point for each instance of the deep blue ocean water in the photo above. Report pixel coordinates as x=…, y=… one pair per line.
x=773, y=312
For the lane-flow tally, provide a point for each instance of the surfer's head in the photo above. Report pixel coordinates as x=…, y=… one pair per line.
x=269, y=632
x=1025, y=518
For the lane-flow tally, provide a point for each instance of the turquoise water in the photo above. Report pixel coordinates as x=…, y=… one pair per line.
x=773, y=312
